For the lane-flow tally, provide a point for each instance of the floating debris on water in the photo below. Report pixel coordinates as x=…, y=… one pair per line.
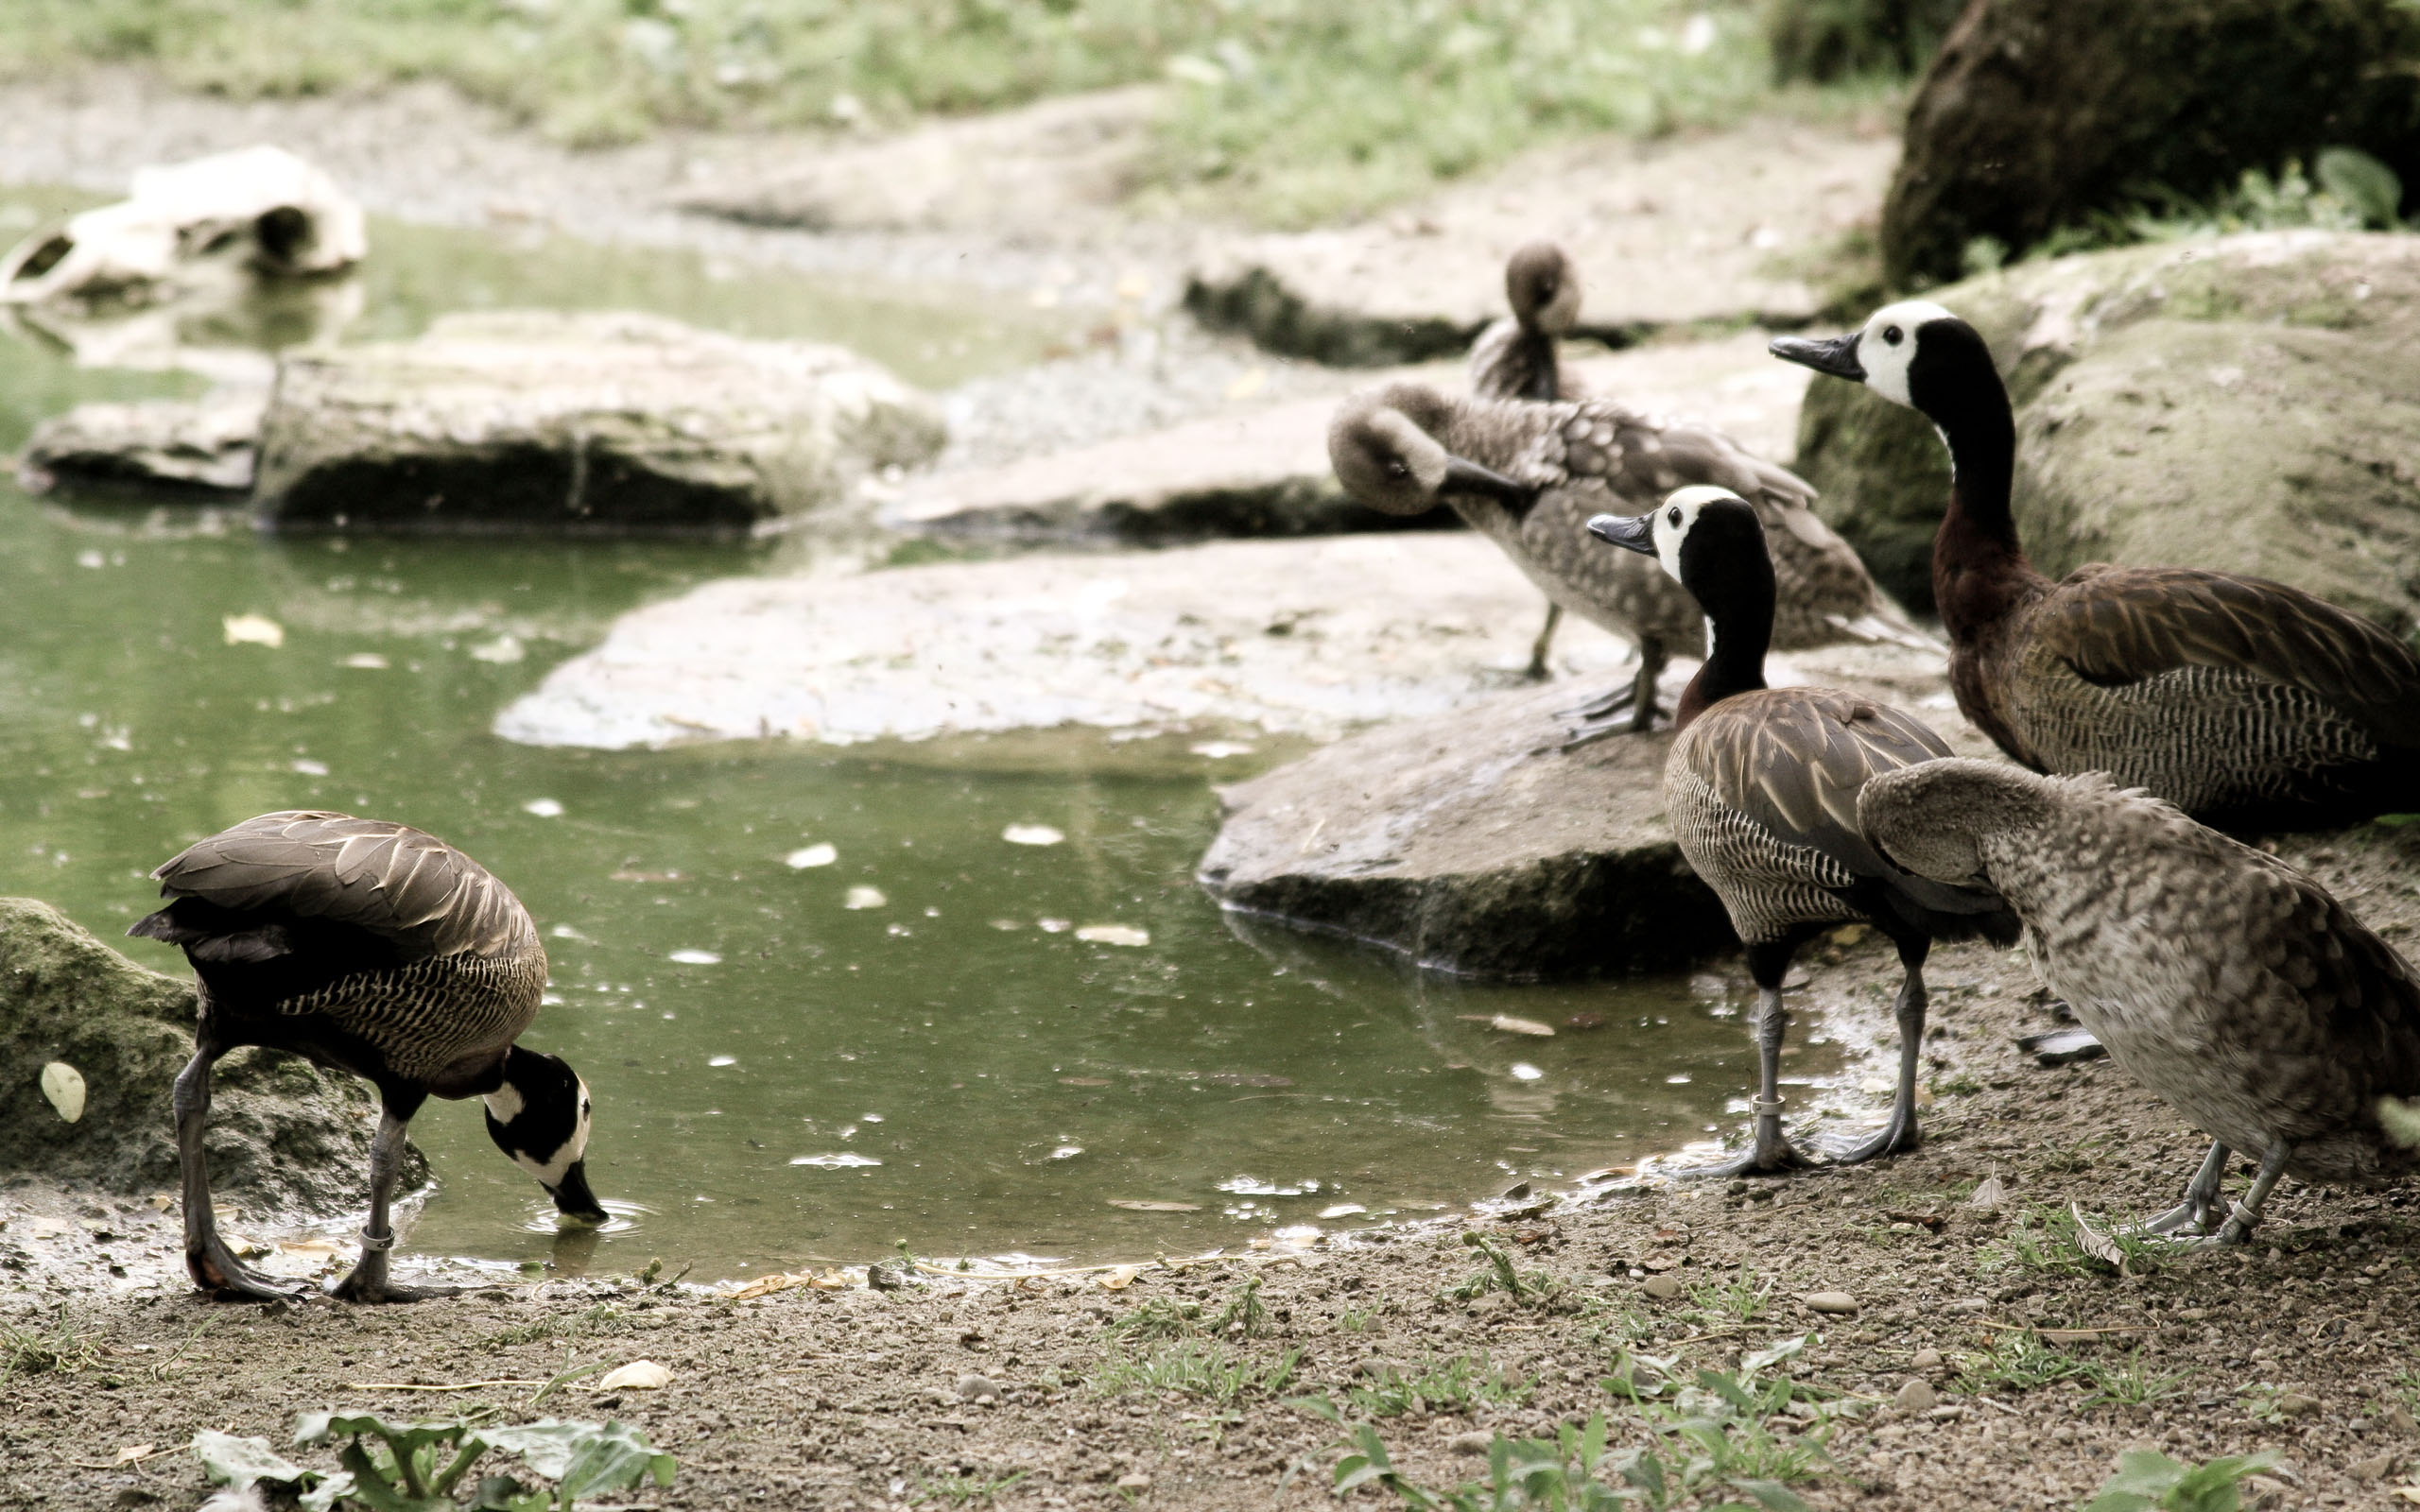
x=1143, y=1205
x=546, y=807
x=1054, y=926
x=1523, y=1070
x=504, y=650
x=309, y=767
x=1032, y=834
x=696, y=957
x=819, y=854
x=864, y=898
x=1112, y=934
x=834, y=1162
x=366, y=661
x=723, y=1061
x=1221, y=749
x=253, y=630
x=1506, y=1023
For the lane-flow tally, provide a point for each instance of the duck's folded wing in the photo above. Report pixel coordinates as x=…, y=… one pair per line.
x=1794, y=759
x=2120, y=625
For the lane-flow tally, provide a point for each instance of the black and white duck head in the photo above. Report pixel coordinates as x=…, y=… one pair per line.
x=1383, y=447
x=539, y=1118
x=1915, y=352
x=1542, y=288
x=1708, y=539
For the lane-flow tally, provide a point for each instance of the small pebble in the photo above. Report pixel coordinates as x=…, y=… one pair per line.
x=2399, y=1418
x=1661, y=1288
x=1134, y=1481
x=975, y=1388
x=2297, y=1405
x=1916, y=1396
x=1472, y=1442
x=2376, y=1468
x=1926, y=1360
x=1840, y=1303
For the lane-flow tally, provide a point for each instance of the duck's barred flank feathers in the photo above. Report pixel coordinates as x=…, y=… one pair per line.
x=1507, y=362
x=430, y=1014
x=399, y=883
x=1762, y=791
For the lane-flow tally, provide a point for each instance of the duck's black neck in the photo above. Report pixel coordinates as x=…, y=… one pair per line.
x=1740, y=629
x=1979, y=566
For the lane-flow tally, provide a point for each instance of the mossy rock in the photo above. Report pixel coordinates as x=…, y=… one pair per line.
x=2245, y=403
x=2039, y=114
x=284, y=1136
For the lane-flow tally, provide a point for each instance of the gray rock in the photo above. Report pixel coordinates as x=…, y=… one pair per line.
x=597, y=422
x=2297, y=1405
x=1835, y=1303
x=1662, y=231
x=1915, y=1398
x=205, y=448
x=1925, y=1359
x=2238, y=405
x=1307, y=637
x=975, y=1388
x=1471, y=1442
x=284, y=1135
x=1661, y=1288
x=1470, y=841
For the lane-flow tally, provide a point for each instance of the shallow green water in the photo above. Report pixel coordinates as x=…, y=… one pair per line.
x=781, y=1079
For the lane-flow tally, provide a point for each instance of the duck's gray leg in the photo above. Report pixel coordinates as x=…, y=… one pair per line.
x=1538, y=648
x=2245, y=1215
x=1605, y=716
x=368, y=1281
x=1900, y=1133
x=213, y=1266
x=2199, y=1211
x=1770, y=1151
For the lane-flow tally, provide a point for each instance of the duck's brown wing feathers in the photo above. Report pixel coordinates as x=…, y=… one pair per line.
x=1792, y=759
x=2119, y=624
x=392, y=881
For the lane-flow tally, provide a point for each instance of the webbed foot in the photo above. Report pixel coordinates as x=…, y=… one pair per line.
x=216, y=1270
x=381, y=1289
x=1768, y=1153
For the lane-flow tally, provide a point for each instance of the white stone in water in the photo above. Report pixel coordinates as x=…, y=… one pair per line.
x=1032, y=834
x=64, y=1086
x=819, y=854
x=697, y=957
x=1113, y=934
x=546, y=807
x=864, y=898
x=1523, y=1070
x=504, y=650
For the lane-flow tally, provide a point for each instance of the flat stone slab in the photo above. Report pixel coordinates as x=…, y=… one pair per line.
x=1263, y=470
x=1472, y=842
x=1687, y=229
x=1308, y=636
x=206, y=448
x=595, y=423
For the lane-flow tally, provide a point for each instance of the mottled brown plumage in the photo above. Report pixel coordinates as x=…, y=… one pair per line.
x=2226, y=981
x=374, y=948
x=1762, y=789
x=1515, y=357
x=1393, y=449
x=2244, y=700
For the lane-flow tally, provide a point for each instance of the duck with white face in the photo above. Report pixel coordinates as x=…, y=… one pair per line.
x=1761, y=788
x=2246, y=702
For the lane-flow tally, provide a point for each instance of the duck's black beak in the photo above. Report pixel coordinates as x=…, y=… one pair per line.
x=1469, y=477
x=1835, y=356
x=1636, y=531
x=574, y=1200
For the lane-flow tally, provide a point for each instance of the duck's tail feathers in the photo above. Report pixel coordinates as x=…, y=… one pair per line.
x=1885, y=624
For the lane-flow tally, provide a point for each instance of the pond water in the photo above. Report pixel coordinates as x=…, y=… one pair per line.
x=825, y=1003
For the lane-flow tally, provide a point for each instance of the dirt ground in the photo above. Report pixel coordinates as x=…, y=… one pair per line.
x=2299, y=1345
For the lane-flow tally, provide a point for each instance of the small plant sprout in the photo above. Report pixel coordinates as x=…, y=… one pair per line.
x=2149, y=1480
x=1531, y=1288
x=421, y=1466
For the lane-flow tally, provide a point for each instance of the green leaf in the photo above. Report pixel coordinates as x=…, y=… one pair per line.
x=241, y=1462
x=2363, y=184
x=1318, y=1407
x=1770, y=1495
x=325, y=1495
x=615, y=1457
x=1767, y=1359
x=1728, y=1389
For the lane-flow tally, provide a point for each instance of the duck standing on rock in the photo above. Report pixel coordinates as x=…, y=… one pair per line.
x=2244, y=701
x=1530, y=475
x=2219, y=976
x=372, y=948
x=1762, y=788
x=1515, y=357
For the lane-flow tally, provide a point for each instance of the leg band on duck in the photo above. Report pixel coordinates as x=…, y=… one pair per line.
x=371, y=1241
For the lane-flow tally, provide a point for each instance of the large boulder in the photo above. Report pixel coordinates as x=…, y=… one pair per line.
x=2247, y=404
x=284, y=1137
x=1473, y=842
x=579, y=422
x=202, y=449
x=2040, y=114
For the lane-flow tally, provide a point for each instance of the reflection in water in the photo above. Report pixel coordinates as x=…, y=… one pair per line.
x=923, y=1004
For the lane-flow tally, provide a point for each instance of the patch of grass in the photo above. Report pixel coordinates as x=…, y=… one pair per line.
x=1530, y=1288
x=2259, y=1400
x=59, y=1344
x=2048, y=1240
x=605, y=1317
x=1168, y=1317
x=964, y=1491
x=1297, y=111
x=2019, y=1361
x=1962, y=1085
x=1207, y=1369
x=1453, y=1384
x=2149, y=1480
x=1356, y=1320
x=2131, y=1384
x=1738, y=1300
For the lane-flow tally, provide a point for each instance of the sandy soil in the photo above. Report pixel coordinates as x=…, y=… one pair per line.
x=2299, y=1345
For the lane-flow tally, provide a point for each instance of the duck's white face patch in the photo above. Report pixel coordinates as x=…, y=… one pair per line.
x=549, y=1167
x=1888, y=345
x=1676, y=516
x=505, y=1102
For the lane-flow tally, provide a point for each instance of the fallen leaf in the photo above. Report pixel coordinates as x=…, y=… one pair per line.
x=1113, y=934
x=639, y=1375
x=253, y=630
x=1138, y=1205
x=1506, y=1023
x=768, y=1285
x=64, y=1086
x=1120, y=1277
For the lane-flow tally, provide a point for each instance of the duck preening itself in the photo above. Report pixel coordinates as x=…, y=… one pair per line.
x=1515, y=357
x=1529, y=477
x=1762, y=788
x=376, y=949
x=2219, y=976
x=2244, y=701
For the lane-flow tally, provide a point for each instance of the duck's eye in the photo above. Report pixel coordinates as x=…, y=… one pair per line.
x=1673, y=518
x=1398, y=469
x=1890, y=334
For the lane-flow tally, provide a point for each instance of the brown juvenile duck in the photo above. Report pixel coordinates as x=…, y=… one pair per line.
x=1530, y=475
x=2244, y=701
x=1761, y=787
x=1515, y=357
x=372, y=948
x=2219, y=976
